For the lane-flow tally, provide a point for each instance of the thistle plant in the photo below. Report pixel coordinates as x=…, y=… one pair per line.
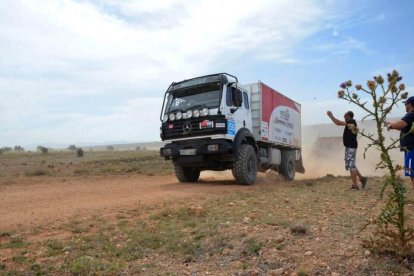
x=391, y=231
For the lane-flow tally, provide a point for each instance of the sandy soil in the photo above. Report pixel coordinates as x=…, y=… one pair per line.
x=43, y=200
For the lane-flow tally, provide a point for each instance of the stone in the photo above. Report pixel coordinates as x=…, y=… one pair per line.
x=280, y=239
x=276, y=272
x=308, y=253
x=367, y=253
x=67, y=249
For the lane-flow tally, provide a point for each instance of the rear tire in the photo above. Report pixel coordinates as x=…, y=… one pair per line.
x=245, y=166
x=186, y=174
x=288, y=166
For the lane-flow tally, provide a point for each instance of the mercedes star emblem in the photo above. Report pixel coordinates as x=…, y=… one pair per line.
x=187, y=127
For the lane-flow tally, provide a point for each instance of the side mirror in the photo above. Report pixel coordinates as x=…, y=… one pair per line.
x=237, y=97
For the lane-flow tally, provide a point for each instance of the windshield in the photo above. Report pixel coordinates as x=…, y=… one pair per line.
x=200, y=97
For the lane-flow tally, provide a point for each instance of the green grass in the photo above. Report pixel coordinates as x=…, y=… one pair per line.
x=253, y=246
x=14, y=242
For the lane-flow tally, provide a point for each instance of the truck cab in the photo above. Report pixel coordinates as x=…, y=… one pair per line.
x=207, y=124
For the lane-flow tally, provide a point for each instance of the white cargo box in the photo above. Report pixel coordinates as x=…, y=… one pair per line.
x=276, y=118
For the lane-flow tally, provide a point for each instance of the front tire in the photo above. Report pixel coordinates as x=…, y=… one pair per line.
x=186, y=174
x=288, y=166
x=245, y=166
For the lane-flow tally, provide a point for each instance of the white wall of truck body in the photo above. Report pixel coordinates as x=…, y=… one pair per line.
x=276, y=118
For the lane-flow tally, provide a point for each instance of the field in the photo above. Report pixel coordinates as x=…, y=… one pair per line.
x=123, y=212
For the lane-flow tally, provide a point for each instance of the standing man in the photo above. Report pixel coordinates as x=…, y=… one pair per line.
x=406, y=137
x=351, y=145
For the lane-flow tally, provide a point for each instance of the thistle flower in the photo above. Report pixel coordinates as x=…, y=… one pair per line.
x=404, y=95
x=354, y=96
x=395, y=73
x=399, y=168
x=379, y=79
x=358, y=87
x=348, y=83
x=341, y=93
x=388, y=110
x=371, y=84
x=402, y=86
x=343, y=85
x=393, y=89
x=382, y=100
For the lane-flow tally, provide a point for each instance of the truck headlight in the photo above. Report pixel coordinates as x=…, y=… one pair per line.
x=172, y=116
x=213, y=147
x=189, y=113
x=165, y=118
x=204, y=111
x=179, y=115
x=196, y=113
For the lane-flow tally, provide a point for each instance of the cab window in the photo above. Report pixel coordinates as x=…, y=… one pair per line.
x=230, y=101
x=246, y=100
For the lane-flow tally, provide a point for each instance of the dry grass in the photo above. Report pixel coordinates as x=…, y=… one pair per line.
x=311, y=227
x=66, y=163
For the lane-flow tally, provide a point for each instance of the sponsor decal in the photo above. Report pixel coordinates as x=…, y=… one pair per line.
x=231, y=127
x=265, y=130
x=284, y=114
x=206, y=124
x=170, y=126
x=220, y=125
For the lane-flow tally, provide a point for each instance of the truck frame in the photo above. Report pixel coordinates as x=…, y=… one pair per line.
x=213, y=122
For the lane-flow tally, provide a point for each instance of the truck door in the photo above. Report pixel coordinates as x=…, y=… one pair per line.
x=238, y=111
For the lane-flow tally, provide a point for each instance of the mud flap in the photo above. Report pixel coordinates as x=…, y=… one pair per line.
x=299, y=166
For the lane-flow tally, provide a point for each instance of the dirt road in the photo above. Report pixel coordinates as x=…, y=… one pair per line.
x=43, y=200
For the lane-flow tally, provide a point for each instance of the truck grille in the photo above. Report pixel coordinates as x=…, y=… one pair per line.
x=194, y=127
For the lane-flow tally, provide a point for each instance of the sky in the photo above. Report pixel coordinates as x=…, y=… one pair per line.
x=87, y=72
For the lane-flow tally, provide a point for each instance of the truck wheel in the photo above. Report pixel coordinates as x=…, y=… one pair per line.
x=245, y=166
x=288, y=166
x=185, y=174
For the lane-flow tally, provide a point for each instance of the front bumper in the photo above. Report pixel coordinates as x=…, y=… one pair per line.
x=196, y=147
x=203, y=153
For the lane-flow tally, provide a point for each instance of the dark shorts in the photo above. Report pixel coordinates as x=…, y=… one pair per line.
x=409, y=163
x=350, y=159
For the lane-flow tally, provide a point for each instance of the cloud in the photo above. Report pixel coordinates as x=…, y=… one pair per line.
x=123, y=55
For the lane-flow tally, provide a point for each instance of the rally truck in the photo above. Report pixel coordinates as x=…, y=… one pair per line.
x=215, y=123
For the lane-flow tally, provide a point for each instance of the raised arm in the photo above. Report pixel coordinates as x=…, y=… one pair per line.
x=335, y=120
x=400, y=124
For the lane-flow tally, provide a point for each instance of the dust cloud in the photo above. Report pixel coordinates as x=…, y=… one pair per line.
x=216, y=175
x=324, y=155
